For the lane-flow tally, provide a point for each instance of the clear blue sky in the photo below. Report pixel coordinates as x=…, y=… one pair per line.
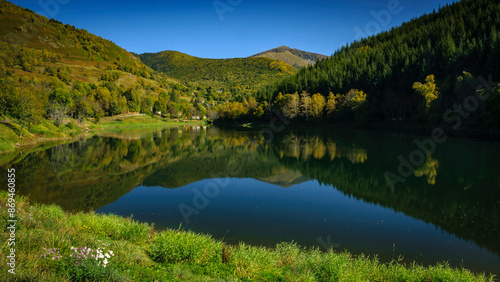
x=232, y=28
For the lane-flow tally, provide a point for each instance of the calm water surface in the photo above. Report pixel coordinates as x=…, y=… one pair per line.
x=321, y=189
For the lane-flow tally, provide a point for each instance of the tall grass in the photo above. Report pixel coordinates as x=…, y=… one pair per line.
x=47, y=236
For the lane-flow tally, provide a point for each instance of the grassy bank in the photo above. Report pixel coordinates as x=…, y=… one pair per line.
x=10, y=135
x=52, y=245
x=45, y=132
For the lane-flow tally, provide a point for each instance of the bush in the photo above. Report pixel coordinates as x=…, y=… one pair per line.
x=71, y=126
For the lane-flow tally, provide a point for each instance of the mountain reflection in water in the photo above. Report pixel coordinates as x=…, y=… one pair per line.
x=312, y=187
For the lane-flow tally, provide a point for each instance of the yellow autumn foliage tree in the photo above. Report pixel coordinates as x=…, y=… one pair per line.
x=428, y=90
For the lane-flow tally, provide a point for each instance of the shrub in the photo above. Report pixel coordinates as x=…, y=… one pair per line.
x=71, y=126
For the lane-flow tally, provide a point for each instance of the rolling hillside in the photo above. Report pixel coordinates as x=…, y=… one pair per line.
x=293, y=57
x=239, y=75
x=54, y=74
x=41, y=44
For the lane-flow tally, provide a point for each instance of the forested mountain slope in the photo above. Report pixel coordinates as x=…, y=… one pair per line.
x=239, y=75
x=449, y=53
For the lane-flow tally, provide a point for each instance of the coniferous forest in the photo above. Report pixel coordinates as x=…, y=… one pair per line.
x=416, y=72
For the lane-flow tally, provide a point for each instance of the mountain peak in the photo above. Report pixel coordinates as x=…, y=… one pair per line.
x=294, y=57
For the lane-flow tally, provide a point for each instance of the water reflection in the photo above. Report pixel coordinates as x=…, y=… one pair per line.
x=428, y=169
x=457, y=189
x=307, y=147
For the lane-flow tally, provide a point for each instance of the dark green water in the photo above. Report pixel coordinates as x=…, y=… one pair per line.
x=323, y=189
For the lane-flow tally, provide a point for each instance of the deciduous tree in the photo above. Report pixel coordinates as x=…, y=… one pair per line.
x=317, y=106
x=428, y=91
x=305, y=104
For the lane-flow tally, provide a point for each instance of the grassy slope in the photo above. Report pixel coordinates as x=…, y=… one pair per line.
x=142, y=254
x=140, y=121
x=288, y=58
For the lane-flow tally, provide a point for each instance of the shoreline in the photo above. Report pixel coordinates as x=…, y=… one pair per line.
x=35, y=140
x=138, y=253
x=128, y=122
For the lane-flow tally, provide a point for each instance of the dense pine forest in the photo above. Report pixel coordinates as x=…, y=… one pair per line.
x=413, y=73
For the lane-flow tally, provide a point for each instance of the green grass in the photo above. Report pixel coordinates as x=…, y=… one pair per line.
x=143, y=254
x=142, y=121
x=8, y=138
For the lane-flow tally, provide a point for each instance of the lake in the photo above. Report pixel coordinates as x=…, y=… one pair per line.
x=320, y=189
